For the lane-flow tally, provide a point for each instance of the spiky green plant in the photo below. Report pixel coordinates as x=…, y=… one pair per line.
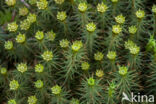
x=91, y=89
x=77, y=51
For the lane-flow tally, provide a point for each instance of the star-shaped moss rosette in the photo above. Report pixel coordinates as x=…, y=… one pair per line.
x=132, y=47
x=39, y=35
x=64, y=43
x=134, y=50
x=31, y=18
x=47, y=55
x=39, y=84
x=98, y=56
x=25, y=24
x=116, y=29
x=85, y=66
x=3, y=71
x=99, y=73
x=120, y=19
x=8, y=45
x=56, y=90
x=23, y=11
x=154, y=9
x=132, y=29
x=74, y=101
x=12, y=27
x=42, y=4
x=39, y=68
x=91, y=27
x=77, y=45
x=14, y=85
x=82, y=7
x=10, y=2
x=59, y=2
x=140, y=14
x=22, y=67
x=111, y=55
x=151, y=44
x=102, y=8
x=61, y=16
x=128, y=44
x=32, y=100
x=91, y=81
x=12, y=101
x=123, y=70
x=50, y=35
x=20, y=38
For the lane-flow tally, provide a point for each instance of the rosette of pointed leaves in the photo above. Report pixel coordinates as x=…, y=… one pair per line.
x=82, y=7
x=126, y=80
x=10, y=2
x=8, y=45
x=58, y=95
x=23, y=11
x=91, y=90
x=42, y=4
x=14, y=85
x=12, y=27
x=32, y=100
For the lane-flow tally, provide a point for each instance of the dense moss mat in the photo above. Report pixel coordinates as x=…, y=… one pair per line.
x=77, y=51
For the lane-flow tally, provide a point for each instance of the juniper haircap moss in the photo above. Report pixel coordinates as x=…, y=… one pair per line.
x=31, y=17
x=42, y=4
x=140, y=14
x=50, y=35
x=14, y=85
x=32, y=100
x=82, y=7
x=85, y=66
x=20, y=38
x=123, y=70
x=8, y=45
x=39, y=35
x=47, y=55
x=64, y=43
x=91, y=27
x=91, y=81
x=134, y=50
x=12, y=27
x=132, y=29
x=120, y=19
x=22, y=67
x=102, y=8
x=39, y=84
x=12, y=101
x=111, y=55
x=74, y=101
x=25, y=24
x=10, y=2
x=154, y=9
x=99, y=73
x=56, y=89
x=23, y=11
x=39, y=68
x=59, y=1
x=77, y=45
x=116, y=29
x=98, y=56
x=61, y=16
x=3, y=70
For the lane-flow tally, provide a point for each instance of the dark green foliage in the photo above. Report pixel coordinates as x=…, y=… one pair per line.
x=77, y=51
